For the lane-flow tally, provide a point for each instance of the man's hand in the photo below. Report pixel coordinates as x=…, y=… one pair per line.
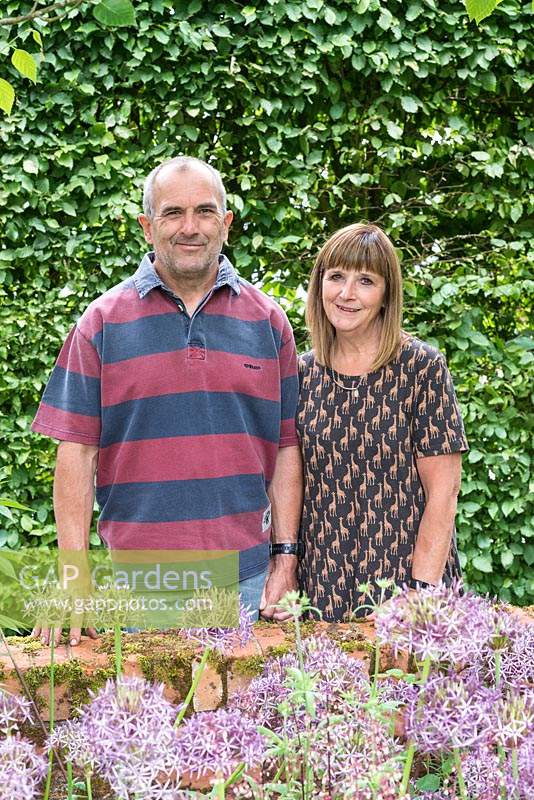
x=282, y=578
x=75, y=635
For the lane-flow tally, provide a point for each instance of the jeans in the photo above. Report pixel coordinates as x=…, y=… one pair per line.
x=250, y=590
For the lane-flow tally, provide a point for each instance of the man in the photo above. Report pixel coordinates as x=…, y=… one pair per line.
x=178, y=389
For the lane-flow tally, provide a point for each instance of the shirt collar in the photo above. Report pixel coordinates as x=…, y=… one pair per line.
x=146, y=278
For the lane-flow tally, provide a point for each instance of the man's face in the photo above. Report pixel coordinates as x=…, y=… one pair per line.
x=188, y=227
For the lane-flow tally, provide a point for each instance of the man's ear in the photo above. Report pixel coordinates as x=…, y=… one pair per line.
x=228, y=217
x=146, y=225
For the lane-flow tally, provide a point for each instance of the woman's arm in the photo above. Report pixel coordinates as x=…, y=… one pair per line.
x=440, y=476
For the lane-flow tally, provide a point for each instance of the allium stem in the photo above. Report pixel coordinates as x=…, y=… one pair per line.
x=497, y=668
x=411, y=745
x=52, y=702
x=194, y=683
x=70, y=783
x=515, y=771
x=88, y=786
x=220, y=789
x=236, y=774
x=118, y=650
x=459, y=773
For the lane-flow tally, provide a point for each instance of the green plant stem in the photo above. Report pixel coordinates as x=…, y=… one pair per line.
x=497, y=668
x=52, y=702
x=236, y=774
x=459, y=773
x=515, y=771
x=500, y=748
x=411, y=746
x=118, y=650
x=88, y=786
x=193, y=688
x=70, y=786
x=220, y=791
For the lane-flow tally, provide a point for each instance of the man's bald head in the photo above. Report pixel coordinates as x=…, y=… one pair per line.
x=181, y=164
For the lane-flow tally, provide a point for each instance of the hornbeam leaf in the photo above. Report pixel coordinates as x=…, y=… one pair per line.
x=25, y=63
x=480, y=9
x=7, y=96
x=115, y=13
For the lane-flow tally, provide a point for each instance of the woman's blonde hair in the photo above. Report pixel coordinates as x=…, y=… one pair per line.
x=364, y=248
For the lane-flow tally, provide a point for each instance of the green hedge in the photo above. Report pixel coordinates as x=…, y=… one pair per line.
x=318, y=114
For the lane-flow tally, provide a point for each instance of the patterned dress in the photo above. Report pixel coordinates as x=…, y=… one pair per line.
x=363, y=497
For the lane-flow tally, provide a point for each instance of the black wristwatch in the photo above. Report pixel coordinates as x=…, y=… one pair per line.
x=286, y=549
x=415, y=584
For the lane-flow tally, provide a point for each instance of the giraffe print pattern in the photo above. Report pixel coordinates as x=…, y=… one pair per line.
x=363, y=497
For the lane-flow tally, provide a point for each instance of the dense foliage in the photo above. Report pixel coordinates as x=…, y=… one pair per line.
x=318, y=114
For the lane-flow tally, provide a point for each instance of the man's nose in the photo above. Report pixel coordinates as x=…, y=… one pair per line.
x=189, y=223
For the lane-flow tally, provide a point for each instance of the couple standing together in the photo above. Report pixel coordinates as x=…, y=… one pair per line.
x=179, y=393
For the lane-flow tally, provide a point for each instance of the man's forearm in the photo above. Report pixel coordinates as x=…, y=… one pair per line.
x=74, y=490
x=285, y=493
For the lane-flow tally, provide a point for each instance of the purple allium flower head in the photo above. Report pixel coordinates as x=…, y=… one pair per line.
x=14, y=710
x=514, y=641
x=130, y=726
x=513, y=718
x=71, y=738
x=260, y=700
x=450, y=712
x=440, y=623
x=483, y=774
x=218, y=741
x=525, y=784
x=336, y=675
x=225, y=640
x=396, y=691
x=358, y=758
x=22, y=769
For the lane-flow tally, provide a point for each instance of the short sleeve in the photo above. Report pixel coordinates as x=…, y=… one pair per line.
x=289, y=387
x=70, y=409
x=437, y=421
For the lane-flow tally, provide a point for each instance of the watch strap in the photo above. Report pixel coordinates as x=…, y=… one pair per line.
x=286, y=549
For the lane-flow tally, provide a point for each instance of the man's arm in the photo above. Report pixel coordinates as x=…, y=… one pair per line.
x=440, y=476
x=285, y=493
x=74, y=489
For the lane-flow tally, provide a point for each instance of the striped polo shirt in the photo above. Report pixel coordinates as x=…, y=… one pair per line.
x=188, y=412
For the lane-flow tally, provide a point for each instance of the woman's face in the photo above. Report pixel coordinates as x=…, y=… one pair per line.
x=352, y=300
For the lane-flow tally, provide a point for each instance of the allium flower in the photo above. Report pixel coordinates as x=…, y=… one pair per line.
x=525, y=783
x=336, y=676
x=130, y=727
x=225, y=640
x=396, y=691
x=514, y=641
x=71, y=739
x=218, y=741
x=21, y=769
x=14, y=710
x=513, y=718
x=449, y=712
x=483, y=774
x=440, y=623
x=260, y=700
x=357, y=759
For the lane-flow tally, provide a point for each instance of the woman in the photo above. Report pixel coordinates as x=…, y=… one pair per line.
x=380, y=430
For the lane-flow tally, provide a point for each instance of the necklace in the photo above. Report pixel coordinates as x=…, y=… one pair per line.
x=353, y=389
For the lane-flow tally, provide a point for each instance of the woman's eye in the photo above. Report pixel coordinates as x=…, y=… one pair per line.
x=335, y=276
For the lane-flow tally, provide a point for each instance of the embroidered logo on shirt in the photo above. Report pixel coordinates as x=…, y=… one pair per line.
x=266, y=521
x=252, y=366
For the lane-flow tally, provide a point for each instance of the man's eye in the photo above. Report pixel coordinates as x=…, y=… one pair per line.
x=207, y=211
